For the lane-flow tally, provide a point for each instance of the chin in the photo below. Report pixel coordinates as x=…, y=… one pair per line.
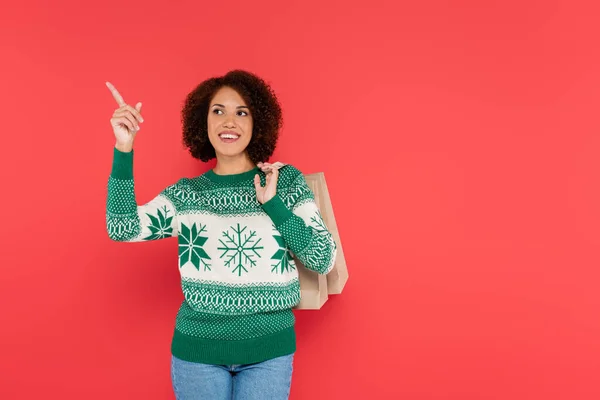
x=230, y=152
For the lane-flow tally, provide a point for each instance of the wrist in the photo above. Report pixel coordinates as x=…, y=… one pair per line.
x=124, y=147
x=266, y=199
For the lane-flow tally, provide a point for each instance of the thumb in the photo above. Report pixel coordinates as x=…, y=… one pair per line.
x=138, y=106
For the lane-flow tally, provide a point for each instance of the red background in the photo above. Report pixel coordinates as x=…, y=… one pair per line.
x=460, y=143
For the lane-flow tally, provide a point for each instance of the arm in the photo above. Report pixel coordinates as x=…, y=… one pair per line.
x=297, y=218
x=125, y=220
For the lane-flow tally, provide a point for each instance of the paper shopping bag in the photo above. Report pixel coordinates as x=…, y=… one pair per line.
x=314, y=287
x=337, y=278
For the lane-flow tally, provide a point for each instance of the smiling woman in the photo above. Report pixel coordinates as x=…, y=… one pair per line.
x=237, y=226
x=240, y=103
x=229, y=124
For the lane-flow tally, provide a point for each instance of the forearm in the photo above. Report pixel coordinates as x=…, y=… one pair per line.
x=122, y=220
x=309, y=240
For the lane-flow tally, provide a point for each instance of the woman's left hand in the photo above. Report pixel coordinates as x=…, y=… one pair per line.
x=267, y=192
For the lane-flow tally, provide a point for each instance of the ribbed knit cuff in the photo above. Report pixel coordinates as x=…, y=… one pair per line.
x=277, y=210
x=122, y=167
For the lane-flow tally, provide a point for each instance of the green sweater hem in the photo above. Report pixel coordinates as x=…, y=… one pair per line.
x=229, y=352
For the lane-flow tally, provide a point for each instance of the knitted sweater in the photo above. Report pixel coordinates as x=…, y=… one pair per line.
x=238, y=275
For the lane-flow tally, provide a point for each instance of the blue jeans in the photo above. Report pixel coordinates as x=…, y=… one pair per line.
x=267, y=380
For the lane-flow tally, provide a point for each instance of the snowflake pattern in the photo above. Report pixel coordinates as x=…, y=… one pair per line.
x=190, y=247
x=318, y=221
x=284, y=262
x=161, y=225
x=240, y=249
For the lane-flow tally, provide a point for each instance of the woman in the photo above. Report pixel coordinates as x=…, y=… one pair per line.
x=237, y=226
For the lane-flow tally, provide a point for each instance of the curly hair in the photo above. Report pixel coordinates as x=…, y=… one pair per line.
x=260, y=99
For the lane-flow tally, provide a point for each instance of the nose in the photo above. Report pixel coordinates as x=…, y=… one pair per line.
x=229, y=122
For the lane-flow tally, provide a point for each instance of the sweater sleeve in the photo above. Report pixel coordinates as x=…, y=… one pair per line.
x=125, y=220
x=297, y=217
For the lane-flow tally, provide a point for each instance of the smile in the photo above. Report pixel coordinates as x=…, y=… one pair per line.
x=228, y=137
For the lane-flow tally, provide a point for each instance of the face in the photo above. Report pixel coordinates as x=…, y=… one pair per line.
x=229, y=123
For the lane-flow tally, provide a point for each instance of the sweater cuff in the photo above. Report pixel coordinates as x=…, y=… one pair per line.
x=277, y=210
x=122, y=167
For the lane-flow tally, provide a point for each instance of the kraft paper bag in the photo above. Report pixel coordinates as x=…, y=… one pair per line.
x=337, y=278
x=314, y=287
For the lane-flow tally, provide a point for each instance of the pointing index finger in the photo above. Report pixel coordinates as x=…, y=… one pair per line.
x=116, y=94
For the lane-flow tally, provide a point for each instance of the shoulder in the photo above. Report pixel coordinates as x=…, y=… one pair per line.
x=181, y=185
x=289, y=175
x=295, y=189
x=289, y=171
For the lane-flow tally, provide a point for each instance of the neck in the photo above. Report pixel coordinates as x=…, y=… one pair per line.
x=228, y=165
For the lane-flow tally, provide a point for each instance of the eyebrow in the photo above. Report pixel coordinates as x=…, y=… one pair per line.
x=221, y=105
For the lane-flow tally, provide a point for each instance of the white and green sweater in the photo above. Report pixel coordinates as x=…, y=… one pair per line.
x=238, y=275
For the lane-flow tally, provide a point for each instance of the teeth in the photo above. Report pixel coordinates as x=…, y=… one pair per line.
x=229, y=136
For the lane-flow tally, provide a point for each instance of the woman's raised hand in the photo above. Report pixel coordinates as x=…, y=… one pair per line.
x=125, y=121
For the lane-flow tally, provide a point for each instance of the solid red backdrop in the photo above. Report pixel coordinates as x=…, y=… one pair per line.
x=460, y=142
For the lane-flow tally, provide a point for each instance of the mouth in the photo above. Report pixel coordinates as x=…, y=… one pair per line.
x=229, y=137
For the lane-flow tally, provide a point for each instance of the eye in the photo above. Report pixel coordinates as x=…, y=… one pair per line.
x=217, y=111
x=242, y=112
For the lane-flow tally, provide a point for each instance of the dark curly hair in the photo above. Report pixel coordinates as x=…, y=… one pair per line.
x=261, y=100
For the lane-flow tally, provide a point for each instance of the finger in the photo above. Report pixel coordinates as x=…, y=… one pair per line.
x=138, y=107
x=270, y=167
x=123, y=121
x=116, y=94
x=127, y=114
x=257, y=182
x=134, y=111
